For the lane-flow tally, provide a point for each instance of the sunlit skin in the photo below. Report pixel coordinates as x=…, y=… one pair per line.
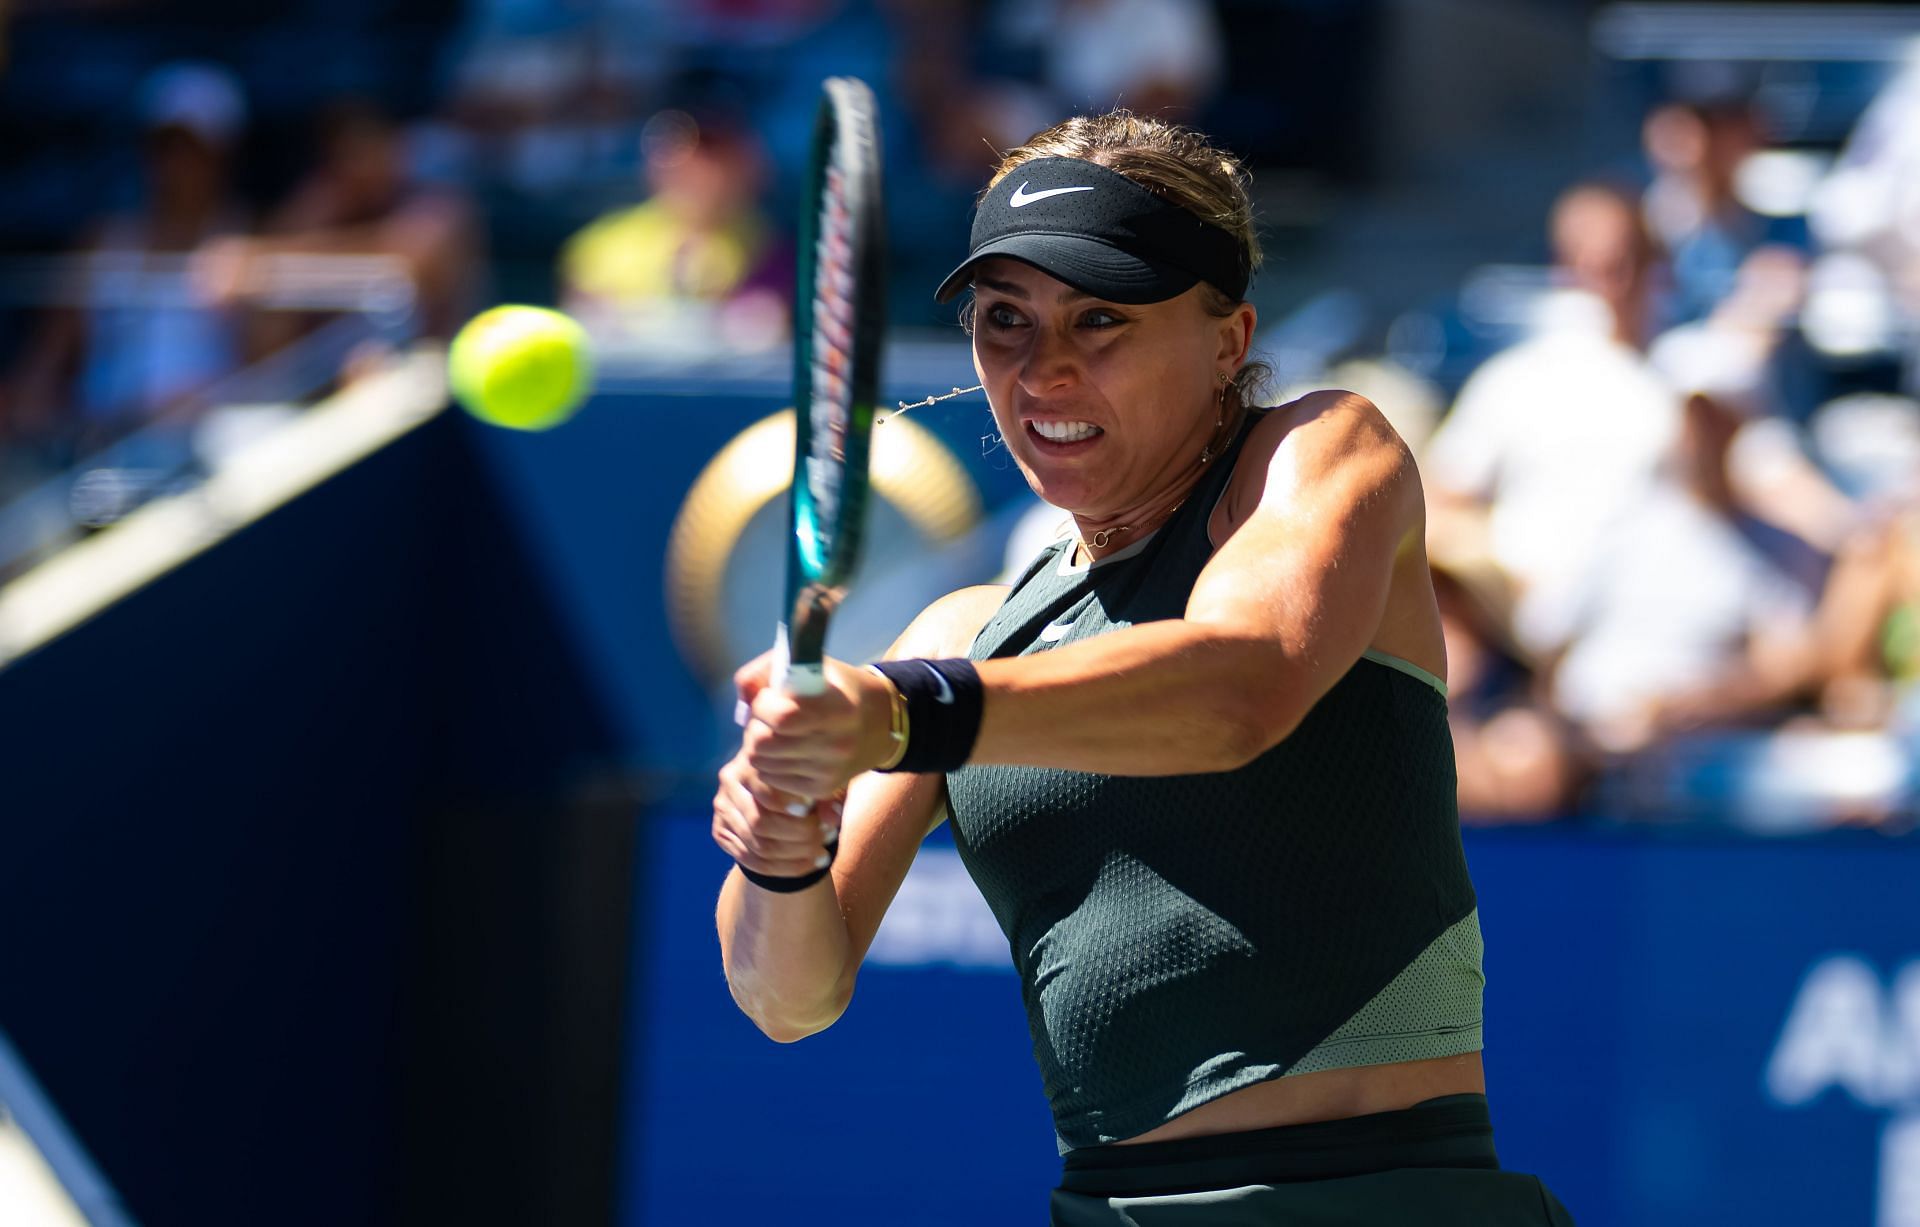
x=1148, y=376
x=1318, y=557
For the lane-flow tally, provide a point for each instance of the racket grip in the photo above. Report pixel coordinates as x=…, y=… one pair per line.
x=805, y=680
x=795, y=676
x=801, y=678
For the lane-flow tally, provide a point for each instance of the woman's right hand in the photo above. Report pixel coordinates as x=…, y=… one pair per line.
x=769, y=831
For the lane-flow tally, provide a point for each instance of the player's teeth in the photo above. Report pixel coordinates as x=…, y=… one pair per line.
x=1066, y=432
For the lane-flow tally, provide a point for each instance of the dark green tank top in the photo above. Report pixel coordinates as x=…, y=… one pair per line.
x=1178, y=938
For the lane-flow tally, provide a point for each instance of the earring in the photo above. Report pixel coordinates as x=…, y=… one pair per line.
x=1219, y=413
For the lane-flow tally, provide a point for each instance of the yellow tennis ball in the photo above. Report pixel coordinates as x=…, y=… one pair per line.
x=526, y=368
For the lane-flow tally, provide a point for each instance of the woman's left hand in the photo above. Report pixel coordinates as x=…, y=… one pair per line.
x=812, y=745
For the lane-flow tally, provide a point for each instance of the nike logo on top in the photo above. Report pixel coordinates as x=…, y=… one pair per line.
x=1022, y=197
x=1054, y=632
x=945, y=693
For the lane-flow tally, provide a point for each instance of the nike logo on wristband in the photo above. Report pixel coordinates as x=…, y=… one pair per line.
x=1022, y=197
x=945, y=693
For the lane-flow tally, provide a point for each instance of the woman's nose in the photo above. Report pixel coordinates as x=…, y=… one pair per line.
x=1051, y=363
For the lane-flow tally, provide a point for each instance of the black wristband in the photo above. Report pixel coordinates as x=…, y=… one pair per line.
x=944, y=701
x=787, y=886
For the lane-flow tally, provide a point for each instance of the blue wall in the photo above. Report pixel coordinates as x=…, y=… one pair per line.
x=245, y=815
x=1637, y=989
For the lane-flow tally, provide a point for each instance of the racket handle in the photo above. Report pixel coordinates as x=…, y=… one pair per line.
x=805, y=680
x=795, y=676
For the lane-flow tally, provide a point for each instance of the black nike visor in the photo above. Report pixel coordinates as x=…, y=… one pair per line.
x=1101, y=233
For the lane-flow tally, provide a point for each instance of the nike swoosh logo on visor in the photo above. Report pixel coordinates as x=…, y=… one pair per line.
x=945, y=693
x=1022, y=197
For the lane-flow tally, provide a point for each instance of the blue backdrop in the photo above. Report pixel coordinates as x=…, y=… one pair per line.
x=1637, y=991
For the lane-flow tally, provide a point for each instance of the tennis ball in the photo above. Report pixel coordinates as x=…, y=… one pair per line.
x=526, y=368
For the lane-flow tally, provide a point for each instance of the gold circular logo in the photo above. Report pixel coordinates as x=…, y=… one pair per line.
x=909, y=469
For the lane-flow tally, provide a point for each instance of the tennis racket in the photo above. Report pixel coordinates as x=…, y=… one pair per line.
x=839, y=315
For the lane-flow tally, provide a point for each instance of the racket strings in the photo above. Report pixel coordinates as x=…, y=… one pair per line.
x=830, y=405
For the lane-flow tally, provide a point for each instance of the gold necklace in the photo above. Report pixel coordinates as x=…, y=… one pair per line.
x=1100, y=540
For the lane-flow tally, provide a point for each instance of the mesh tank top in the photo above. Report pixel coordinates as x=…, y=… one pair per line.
x=1179, y=938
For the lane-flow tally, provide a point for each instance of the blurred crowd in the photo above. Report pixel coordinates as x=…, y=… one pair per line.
x=1674, y=519
x=634, y=163
x=141, y=327
x=1674, y=525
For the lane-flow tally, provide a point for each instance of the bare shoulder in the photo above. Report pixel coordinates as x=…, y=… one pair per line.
x=1326, y=428
x=1326, y=483
x=949, y=625
x=1329, y=442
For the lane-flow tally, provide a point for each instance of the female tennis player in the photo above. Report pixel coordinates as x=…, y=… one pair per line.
x=1196, y=758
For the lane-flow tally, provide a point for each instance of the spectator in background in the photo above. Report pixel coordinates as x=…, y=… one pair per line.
x=1693, y=207
x=362, y=200
x=697, y=264
x=1514, y=759
x=1693, y=612
x=141, y=343
x=1552, y=440
x=1870, y=203
x=1601, y=245
x=1153, y=57
x=1736, y=351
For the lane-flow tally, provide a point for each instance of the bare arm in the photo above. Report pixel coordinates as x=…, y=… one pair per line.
x=1281, y=612
x=433, y=237
x=791, y=959
x=1777, y=667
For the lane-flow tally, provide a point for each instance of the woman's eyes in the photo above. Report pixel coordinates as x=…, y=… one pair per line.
x=1001, y=316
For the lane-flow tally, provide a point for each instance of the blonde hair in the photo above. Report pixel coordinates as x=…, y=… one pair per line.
x=1173, y=162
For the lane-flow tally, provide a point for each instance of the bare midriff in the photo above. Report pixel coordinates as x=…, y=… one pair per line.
x=1331, y=1094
